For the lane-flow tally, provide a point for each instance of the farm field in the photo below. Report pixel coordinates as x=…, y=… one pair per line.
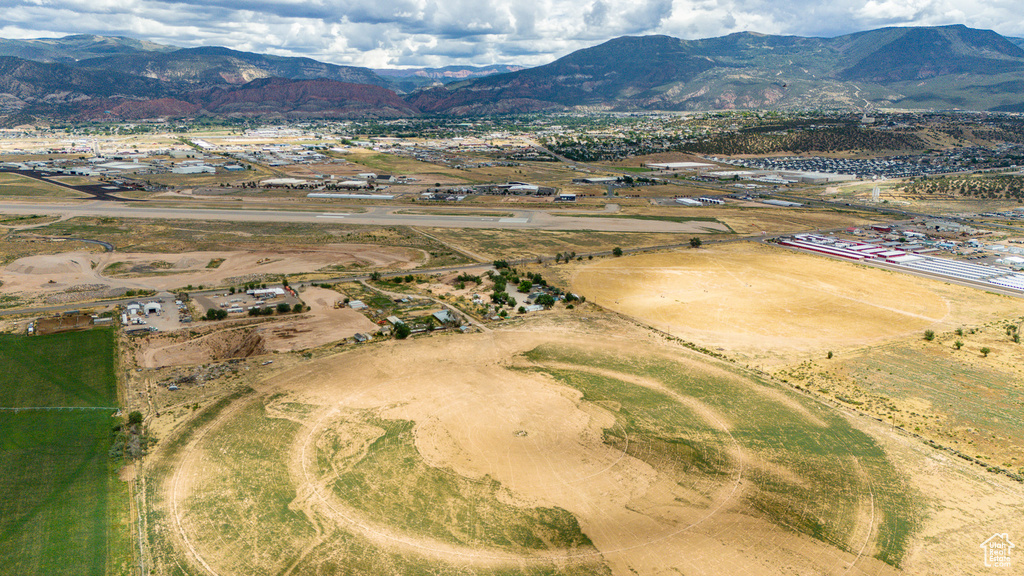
x=60, y=501
x=769, y=306
x=530, y=450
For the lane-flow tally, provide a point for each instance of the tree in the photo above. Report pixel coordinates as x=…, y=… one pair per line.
x=929, y=335
x=134, y=418
x=402, y=331
x=829, y=354
x=695, y=242
x=546, y=300
x=985, y=351
x=616, y=251
x=283, y=308
x=375, y=276
x=297, y=308
x=525, y=286
x=958, y=344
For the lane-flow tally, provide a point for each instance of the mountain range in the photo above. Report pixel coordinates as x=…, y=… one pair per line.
x=96, y=77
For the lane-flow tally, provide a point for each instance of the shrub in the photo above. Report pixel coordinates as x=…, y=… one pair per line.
x=929, y=335
x=616, y=251
x=402, y=331
x=985, y=351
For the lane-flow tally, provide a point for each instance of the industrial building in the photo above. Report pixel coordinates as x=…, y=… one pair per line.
x=864, y=251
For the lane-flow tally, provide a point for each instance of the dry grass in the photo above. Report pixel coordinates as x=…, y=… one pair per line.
x=22, y=186
x=770, y=305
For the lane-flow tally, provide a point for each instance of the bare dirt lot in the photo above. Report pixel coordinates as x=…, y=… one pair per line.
x=322, y=324
x=417, y=457
x=770, y=304
x=110, y=271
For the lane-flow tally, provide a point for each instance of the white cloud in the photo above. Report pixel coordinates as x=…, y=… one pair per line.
x=439, y=32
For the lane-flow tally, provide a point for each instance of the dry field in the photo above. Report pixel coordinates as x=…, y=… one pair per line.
x=768, y=305
x=751, y=221
x=112, y=271
x=541, y=450
x=382, y=163
x=24, y=187
x=955, y=396
x=515, y=244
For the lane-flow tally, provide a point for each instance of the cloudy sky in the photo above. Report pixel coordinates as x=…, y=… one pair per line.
x=402, y=33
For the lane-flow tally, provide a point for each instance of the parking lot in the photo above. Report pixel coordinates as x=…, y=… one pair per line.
x=160, y=313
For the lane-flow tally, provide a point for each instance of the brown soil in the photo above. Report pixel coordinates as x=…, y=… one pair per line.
x=469, y=411
x=322, y=324
x=33, y=274
x=238, y=344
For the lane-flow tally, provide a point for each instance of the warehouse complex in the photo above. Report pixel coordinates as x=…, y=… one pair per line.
x=865, y=251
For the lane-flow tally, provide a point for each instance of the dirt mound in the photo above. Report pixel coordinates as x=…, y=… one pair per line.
x=49, y=264
x=188, y=262
x=237, y=344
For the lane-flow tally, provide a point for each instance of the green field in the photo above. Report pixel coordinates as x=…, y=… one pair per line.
x=59, y=498
x=830, y=466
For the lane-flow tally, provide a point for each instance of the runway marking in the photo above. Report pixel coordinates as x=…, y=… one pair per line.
x=514, y=220
x=332, y=215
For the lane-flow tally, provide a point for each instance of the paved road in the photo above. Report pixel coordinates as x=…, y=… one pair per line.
x=375, y=215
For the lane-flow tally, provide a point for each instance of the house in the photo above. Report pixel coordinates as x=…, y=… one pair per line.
x=362, y=338
x=445, y=317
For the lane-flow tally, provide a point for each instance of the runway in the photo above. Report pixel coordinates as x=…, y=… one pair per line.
x=374, y=216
